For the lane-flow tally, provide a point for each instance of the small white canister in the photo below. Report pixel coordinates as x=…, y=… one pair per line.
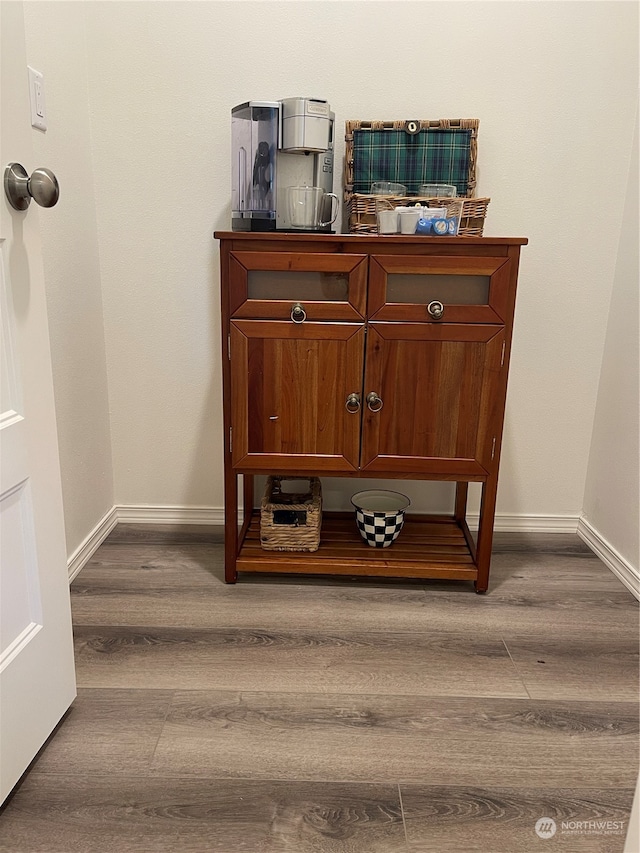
x=387, y=221
x=408, y=219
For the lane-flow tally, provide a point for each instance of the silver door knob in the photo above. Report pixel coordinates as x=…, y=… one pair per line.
x=352, y=403
x=298, y=314
x=42, y=187
x=374, y=402
x=436, y=309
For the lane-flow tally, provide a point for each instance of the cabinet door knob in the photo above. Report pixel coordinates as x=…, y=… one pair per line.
x=298, y=314
x=436, y=309
x=352, y=404
x=374, y=402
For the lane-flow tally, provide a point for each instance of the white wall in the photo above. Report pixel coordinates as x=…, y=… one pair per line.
x=55, y=40
x=554, y=86
x=611, y=503
x=163, y=77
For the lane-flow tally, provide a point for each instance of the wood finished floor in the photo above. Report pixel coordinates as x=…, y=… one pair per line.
x=297, y=715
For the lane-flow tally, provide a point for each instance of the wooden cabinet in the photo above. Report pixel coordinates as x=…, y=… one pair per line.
x=366, y=356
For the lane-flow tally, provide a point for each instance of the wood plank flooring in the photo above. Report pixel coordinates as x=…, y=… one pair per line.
x=297, y=715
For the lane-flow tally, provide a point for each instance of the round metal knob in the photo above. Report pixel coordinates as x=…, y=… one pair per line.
x=374, y=402
x=298, y=314
x=435, y=309
x=352, y=404
x=42, y=187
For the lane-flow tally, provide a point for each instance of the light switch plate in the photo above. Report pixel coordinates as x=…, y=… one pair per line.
x=36, y=97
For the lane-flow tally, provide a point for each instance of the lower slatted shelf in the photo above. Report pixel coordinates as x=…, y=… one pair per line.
x=427, y=547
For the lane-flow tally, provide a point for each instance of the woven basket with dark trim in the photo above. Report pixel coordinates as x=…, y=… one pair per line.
x=291, y=521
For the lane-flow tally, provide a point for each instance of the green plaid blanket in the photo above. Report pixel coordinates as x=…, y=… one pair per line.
x=432, y=156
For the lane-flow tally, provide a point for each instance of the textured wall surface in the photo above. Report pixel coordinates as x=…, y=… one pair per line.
x=55, y=40
x=611, y=502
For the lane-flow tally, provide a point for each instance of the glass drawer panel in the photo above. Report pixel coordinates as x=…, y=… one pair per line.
x=421, y=288
x=294, y=285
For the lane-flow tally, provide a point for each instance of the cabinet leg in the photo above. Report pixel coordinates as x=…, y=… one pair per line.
x=230, y=525
x=462, y=490
x=485, y=532
x=247, y=487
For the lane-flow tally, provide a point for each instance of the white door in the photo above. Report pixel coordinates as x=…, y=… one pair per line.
x=37, y=677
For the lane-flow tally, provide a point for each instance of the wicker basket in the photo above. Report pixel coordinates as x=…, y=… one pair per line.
x=291, y=521
x=361, y=207
x=362, y=212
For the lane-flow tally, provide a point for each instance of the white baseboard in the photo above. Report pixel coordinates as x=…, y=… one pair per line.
x=92, y=542
x=622, y=568
x=505, y=523
x=170, y=514
x=215, y=515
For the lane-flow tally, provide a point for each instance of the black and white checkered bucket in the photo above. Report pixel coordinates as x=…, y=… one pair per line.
x=380, y=516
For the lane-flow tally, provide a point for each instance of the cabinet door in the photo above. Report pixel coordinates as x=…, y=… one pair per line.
x=440, y=387
x=268, y=285
x=290, y=385
x=470, y=289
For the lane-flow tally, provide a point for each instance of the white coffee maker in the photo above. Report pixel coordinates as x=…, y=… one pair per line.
x=279, y=147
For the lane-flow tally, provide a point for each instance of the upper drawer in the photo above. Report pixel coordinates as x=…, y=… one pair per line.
x=270, y=285
x=439, y=289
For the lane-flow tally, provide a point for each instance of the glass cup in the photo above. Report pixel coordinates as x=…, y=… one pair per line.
x=306, y=206
x=388, y=188
x=437, y=191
